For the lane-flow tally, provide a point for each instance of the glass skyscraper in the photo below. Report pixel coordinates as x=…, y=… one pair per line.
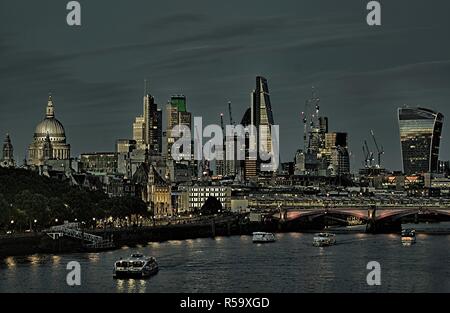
x=262, y=118
x=420, y=136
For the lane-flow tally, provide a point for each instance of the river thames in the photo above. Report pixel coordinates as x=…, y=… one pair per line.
x=235, y=264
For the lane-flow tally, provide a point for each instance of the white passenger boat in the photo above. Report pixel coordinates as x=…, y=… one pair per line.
x=262, y=237
x=408, y=237
x=324, y=239
x=136, y=265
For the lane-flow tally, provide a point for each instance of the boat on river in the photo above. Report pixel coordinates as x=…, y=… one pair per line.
x=408, y=237
x=324, y=240
x=137, y=265
x=263, y=237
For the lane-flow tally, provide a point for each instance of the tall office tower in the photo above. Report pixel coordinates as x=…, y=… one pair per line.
x=262, y=119
x=8, y=153
x=139, y=132
x=153, y=125
x=335, y=139
x=340, y=161
x=317, y=135
x=220, y=166
x=176, y=115
x=158, y=132
x=261, y=113
x=220, y=161
x=335, y=153
x=420, y=137
x=247, y=168
x=323, y=124
x=149, y=109
x=179, y=101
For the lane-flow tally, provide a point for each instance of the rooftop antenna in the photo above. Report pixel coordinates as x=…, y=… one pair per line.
x=221, y=122
x=145, y=87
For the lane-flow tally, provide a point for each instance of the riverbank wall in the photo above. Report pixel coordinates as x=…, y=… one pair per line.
x=32, y=243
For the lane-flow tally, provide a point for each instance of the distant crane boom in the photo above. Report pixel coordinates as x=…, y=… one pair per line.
x=365, y=156
x=369, y=158
x=380, y=150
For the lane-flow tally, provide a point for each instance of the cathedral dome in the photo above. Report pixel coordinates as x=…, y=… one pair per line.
x=50, y=126
x=49, y=141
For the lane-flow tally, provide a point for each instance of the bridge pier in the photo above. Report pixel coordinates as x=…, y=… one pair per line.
x=376, y=227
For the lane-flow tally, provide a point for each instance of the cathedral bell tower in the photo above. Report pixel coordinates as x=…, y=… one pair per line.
x=8, y=153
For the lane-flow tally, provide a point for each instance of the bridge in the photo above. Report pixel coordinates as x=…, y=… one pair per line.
x=73, y=230
x=377, y=219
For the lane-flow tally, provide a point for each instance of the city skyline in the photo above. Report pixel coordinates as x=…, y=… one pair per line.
x=148, y=98
x=97, y=103
x=224, y=151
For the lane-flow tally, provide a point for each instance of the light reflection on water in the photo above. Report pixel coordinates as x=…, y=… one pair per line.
x=10, y=262
x=235, y=264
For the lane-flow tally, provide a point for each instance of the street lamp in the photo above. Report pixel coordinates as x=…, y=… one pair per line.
x=12, y=222
x=56, y=220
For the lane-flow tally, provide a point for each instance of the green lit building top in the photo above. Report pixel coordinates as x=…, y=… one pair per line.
x=179, y=101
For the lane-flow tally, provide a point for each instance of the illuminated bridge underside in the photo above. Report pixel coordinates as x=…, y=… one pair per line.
x=381, y=215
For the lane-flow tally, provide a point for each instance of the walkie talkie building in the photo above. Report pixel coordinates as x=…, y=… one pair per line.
x=420, y=136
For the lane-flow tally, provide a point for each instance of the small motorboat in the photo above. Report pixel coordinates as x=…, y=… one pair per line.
x=137, y=265
x=408, y=237
x=262, y=237
x=324, y=240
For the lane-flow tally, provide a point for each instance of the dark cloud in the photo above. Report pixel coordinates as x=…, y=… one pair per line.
x=211, y=51
x=180, y=19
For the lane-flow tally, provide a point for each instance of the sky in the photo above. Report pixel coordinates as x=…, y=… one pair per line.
x=211, y=51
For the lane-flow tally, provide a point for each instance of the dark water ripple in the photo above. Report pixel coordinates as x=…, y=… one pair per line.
x=235, y=264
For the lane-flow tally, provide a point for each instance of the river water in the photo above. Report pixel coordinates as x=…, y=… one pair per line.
x=235, y=264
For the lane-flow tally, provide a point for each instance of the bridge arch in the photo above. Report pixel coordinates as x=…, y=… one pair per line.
x=395, y=216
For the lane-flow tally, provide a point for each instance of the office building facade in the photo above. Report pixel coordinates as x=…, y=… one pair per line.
x=420, y=137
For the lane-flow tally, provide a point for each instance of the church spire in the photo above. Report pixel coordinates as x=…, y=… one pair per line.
x=50, y=108
x=8, y=153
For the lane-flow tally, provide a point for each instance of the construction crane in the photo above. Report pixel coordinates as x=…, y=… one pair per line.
x=368, y=155
x=380, y=149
